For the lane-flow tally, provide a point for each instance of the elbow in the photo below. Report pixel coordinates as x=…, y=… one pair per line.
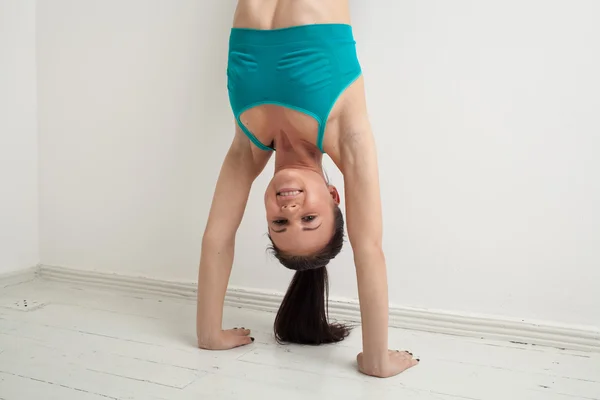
x=365, y=240
x=215, y=240
x=372, y=250
x=367, y=243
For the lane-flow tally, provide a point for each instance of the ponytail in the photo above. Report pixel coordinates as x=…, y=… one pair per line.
x=303, y=315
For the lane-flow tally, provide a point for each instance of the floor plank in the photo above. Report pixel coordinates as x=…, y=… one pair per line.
x=14, y=387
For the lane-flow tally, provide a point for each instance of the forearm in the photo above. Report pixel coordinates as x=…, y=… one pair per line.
x=215, y=268
x=373, y=296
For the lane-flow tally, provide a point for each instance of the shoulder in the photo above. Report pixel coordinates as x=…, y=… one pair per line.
x=349, y=129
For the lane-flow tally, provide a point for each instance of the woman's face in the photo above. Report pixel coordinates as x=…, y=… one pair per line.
x=299, y=206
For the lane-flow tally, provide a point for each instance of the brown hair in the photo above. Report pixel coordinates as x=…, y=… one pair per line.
x=303, y=314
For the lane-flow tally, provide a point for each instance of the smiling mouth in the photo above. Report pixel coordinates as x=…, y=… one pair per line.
x=289, y=193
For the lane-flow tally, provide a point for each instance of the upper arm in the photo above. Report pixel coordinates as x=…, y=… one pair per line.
x=361, y=185
x=358, y=163
x=241, y=166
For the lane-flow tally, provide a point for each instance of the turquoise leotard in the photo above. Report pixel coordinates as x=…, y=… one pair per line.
x=305, y=68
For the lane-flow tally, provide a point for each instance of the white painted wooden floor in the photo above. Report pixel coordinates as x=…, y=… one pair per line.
x=82, y=343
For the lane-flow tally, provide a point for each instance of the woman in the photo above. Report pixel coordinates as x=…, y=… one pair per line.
x=296, y=89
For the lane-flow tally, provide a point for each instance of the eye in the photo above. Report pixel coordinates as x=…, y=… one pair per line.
x=309, y=218
x=280, y=221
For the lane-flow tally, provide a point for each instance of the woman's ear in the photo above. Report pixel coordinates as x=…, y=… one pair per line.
x=334, y=194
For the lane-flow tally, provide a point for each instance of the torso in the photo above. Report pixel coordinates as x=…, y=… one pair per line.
x=269, y=122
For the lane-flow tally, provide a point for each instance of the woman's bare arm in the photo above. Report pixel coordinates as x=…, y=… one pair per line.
x=364, y=221
x=240, y=168
x=358, y=162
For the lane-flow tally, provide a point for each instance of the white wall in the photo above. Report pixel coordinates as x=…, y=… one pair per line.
x=487, y=126
x=18, y=137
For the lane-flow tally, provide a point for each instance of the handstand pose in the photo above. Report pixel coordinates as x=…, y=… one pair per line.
x=296, y=88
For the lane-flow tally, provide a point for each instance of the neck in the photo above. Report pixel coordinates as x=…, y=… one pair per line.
x=297, y=154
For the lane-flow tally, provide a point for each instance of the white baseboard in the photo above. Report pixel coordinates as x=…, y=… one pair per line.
x=18, y=277
x=487, y=327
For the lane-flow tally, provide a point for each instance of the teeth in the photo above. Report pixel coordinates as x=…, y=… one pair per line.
x=293, y=193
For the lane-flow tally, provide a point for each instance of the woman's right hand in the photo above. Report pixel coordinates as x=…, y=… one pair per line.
x=396, y=362
x=225, y=339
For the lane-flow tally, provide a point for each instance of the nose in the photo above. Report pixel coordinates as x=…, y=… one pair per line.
x=290, y=208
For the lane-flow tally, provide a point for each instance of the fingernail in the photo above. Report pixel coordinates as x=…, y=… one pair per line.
x=418, y=359
x=243, y=327
x=252, y=339
x=235, y=327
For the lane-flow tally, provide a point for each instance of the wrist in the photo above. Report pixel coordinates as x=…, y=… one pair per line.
x=206, y=336
x=376, y=357
x=374, y=364
x=375, y=341
x=206, y=331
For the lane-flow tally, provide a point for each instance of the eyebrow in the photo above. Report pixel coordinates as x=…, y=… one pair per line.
x=304, y=229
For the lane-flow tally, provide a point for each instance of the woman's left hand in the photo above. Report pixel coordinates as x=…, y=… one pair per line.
x=396, y=362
